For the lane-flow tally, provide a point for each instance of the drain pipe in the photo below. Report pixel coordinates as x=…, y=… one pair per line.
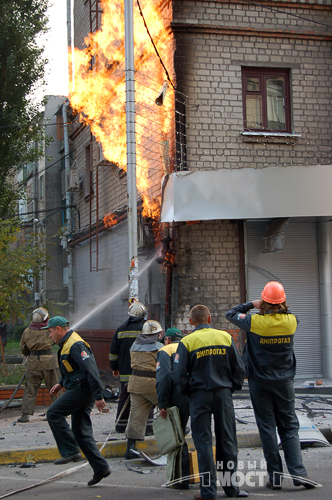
x=68, y=204
x=325, y=282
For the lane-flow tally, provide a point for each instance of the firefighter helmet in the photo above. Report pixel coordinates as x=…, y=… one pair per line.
x=39, y=315
x=273, y=293
x=150, y=327
x=137, y=309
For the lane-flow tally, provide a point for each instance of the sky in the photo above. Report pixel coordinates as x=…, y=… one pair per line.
x=56, y=50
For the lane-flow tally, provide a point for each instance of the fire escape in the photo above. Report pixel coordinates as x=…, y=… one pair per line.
x=95, y=12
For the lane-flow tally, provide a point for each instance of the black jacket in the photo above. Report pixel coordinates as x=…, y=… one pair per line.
x=122, y=341
x=77, y=365
x=164, y=369
x=270, y=342
x=208, y=359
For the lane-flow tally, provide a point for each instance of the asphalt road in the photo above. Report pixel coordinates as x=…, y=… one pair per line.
x=125, y=484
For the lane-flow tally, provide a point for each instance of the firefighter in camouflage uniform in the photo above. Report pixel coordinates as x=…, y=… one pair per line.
x=42, y=364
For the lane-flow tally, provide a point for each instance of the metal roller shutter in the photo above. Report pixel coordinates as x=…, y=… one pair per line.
x=297, y=268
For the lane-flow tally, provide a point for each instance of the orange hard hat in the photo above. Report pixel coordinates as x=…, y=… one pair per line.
x=273, y=293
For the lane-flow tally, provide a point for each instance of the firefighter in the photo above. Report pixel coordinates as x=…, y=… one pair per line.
x=142, y=383
x=80, y=377
x=42, y=364
x=169, y=394
x=208, y=368
x=270, y=364
x=119, y=357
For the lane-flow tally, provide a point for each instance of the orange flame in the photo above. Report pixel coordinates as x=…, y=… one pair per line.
x=110, y=220
x=98, y=94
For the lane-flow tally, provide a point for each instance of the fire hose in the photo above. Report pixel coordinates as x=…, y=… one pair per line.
x=7, y=403
x=64, y=473
x=57, y=476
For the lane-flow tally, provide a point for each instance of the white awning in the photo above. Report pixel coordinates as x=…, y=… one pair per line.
x=247, y=193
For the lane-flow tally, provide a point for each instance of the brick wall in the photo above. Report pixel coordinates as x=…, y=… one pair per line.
x=213, y=41
x=207, y=271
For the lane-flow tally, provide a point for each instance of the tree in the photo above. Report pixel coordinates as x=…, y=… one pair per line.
x=22, y=68
x=19, y=265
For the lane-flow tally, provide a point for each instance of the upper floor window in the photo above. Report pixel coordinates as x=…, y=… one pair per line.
x=266, y=100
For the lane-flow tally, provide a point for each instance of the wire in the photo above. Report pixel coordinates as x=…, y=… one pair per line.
x=263, y=271
x=154, y=46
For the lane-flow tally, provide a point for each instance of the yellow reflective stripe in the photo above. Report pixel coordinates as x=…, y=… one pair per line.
x=124, y=378
x=129, y=334
x=71, y=341
x=273, y=325
x=67, y=365
x=170, y=348
x=113, y=357
x=206, y=337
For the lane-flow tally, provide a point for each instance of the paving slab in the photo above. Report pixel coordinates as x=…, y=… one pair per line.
x=33, y=441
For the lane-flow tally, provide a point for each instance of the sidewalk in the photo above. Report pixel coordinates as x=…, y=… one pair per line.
x=34, y=442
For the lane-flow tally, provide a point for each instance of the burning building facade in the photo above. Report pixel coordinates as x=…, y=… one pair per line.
x=233, y=157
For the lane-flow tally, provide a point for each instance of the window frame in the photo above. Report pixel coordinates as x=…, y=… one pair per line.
x=263, y=74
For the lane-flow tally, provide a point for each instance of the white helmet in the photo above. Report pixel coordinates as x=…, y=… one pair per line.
x=137, y=309
x=150, y=327
x=39, y=315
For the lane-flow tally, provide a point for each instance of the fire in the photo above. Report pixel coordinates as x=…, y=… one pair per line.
x=98, y=94
x=110, y=220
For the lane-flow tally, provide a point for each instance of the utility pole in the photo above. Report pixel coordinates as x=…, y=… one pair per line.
x=131, y=149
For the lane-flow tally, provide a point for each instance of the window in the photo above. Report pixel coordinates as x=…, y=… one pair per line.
x=266, y=100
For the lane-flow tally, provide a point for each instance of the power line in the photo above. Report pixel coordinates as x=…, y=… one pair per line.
x=154, y=46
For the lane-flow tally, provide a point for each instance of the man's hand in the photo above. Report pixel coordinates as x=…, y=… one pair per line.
x=257, y=303
x=55, y=389
x=100, y=404
x=116, y=373
x=163, y=412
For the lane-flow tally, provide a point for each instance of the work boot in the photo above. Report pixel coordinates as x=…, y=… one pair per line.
x=304, y=481
x=131, y=451
x=76, y=457
x=23, y=419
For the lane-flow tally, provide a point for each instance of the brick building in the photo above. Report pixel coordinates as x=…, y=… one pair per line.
x=245, y=184
x=256, y=76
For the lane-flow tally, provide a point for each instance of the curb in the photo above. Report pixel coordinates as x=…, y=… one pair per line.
x=116, y=449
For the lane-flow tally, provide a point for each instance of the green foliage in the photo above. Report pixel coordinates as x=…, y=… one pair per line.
x=18, y=267
x=13, y=347
x=14, y=374
x=54, y=308
x=17, y=334
x=22, y=68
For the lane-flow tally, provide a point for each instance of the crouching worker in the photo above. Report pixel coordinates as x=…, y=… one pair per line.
x=142, y=383
x=83, y=388
x=170, y=395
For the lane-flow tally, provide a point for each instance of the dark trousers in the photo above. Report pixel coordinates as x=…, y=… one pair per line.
x=274, y=407
x=122, y=423
x=219, y=403
x=78, y=403
x=182, y=403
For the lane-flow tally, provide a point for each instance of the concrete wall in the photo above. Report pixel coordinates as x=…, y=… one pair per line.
x=110, y=285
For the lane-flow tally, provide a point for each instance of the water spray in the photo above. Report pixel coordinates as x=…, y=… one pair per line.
x=116, y=294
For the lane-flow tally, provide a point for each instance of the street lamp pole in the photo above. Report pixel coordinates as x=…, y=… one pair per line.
x=131, y=149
